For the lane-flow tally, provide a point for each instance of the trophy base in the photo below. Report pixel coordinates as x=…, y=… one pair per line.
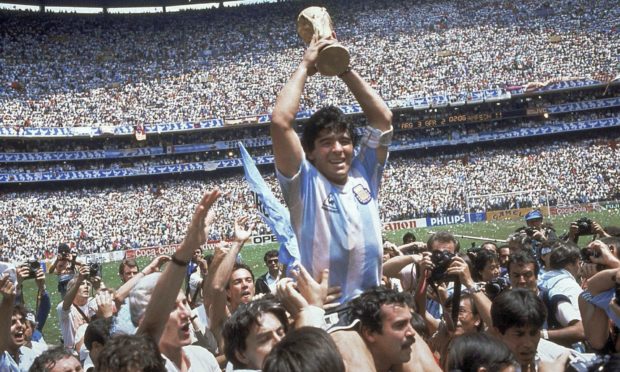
x=333, y=60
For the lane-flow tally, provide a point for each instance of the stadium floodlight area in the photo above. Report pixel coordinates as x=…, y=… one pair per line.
x=517, y=199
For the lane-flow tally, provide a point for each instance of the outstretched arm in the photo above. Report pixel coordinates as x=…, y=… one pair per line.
x=169, y=284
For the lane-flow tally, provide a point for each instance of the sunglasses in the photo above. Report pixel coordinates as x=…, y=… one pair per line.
x=272, y=261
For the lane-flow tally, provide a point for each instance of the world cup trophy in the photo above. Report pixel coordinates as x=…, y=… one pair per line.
x=333, y=59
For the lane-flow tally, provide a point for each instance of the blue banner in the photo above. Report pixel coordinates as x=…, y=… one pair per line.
x=272, y=212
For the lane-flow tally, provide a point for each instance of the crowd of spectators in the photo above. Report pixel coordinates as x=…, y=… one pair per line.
x=103, y=219
x=74, y=70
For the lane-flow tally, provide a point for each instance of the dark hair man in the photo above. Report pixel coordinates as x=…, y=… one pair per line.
x=291, y=354
x=561, y=279
x=523, y=273
x=331, y=194
x=127, y=269
x=385, y=326
x=252, y=331
x=266, y=283
x=56, y=360
x=518, y=316
x=130, y=353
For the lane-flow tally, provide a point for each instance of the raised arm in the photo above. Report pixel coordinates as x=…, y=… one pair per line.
x=287, y=150
x=169, y=284
x=376, y=110
x=216, y=287
x=7, y=289
x=72, y=292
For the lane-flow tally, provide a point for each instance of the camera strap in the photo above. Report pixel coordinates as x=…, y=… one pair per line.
x=86, y=319
x=456, y=301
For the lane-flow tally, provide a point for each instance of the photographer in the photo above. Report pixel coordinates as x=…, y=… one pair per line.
x=43, y=303
x=537, y=229
x=585, y=226
x=63, y=267
x=77, y=307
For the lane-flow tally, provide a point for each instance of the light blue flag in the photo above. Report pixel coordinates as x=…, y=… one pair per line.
x=272, y=212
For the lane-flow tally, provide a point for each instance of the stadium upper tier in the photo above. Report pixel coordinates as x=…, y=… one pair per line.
x=72, y=70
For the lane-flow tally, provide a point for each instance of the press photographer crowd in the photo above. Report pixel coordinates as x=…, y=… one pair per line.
x=535, y=302
x=343, y=190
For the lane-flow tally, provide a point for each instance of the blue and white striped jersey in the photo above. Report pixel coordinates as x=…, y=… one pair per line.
x=338, y=227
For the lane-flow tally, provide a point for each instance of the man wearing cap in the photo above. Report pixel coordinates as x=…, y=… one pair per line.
x=539, y=231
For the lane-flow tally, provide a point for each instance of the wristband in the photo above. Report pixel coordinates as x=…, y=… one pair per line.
x=178, y=262
x=374, y=137
x=476, y=288
x=545, y=334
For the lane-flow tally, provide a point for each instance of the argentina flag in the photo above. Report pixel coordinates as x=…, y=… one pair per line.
x=272, y=212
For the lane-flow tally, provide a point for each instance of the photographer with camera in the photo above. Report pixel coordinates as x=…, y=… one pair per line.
x=63, y=267
x=28, y=271
x=584, y=226
x=596, y=302
x=537, y=229
x=77, y=307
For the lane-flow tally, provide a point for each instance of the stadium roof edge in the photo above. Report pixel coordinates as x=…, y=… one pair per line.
x=110, y=3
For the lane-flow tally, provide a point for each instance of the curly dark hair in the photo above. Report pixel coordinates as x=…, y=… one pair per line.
x=330, y=118
x=367, y=307
x=130, y=352
x=47, y=360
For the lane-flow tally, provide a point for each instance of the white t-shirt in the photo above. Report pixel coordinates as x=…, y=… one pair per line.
x=200, y=359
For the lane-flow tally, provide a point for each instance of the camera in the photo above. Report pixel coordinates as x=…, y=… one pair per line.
x=64, y=251
x=587, y=254
x=529, y=231
x=584, y=226
x=33, y=266
x=94, y=269
x=495, y=287
x=441, y=260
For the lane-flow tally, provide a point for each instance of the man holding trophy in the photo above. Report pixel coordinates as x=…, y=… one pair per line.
x=332, y=192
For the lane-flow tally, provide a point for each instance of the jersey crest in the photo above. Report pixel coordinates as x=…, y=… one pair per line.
x=362, y=194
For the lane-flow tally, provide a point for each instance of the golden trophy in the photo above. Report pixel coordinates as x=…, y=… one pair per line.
x=333, y=59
